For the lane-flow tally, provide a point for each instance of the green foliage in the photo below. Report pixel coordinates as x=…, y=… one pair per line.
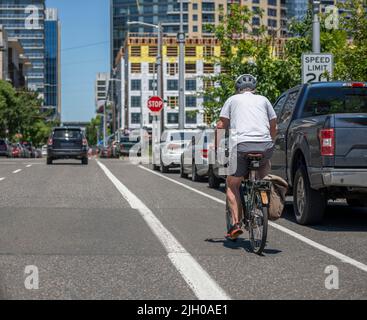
x=93, y=129
x=249, y=52
x=20, y=114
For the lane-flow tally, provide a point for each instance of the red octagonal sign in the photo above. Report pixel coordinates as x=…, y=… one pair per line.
x=155, y=104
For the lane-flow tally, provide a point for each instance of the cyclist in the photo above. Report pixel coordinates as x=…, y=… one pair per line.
x=252, y=123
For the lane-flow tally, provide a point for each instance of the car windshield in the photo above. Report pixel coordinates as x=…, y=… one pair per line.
x=67, y=134
x=324, y=101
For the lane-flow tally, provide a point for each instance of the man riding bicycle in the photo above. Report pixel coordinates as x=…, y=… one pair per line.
x=252, y=123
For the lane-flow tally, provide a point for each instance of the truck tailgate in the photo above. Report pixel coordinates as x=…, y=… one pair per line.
x=351, y=140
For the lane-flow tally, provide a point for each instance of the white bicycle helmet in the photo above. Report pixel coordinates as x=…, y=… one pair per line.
x=246, y=81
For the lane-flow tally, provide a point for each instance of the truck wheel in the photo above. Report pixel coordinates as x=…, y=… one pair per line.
x=194, y=173
x=49, y=161
x=182, y=171
x=85, y=161
x=213, y=180
x=164, y=169
x=309, y=204
x=356, y=203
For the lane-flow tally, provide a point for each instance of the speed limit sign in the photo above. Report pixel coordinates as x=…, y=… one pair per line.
x=317, y=67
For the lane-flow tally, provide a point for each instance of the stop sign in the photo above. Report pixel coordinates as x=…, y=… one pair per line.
x=155, y=104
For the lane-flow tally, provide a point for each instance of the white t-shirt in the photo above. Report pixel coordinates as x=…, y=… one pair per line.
x=249, y=116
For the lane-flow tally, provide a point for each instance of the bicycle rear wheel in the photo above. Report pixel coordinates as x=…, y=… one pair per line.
x=258, y=225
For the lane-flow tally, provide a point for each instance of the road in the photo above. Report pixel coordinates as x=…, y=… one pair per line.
x=114, y=230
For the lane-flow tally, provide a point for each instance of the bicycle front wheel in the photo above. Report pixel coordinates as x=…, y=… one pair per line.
x=258, y=226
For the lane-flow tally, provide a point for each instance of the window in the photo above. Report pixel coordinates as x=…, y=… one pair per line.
x=153, y=68
x=272, y=12
x=172, y=101
x=172, y=69
x=194, y=28
x=172, y=51
x=153, y=51
x=153, y=85
x=208, y=51
x=288, y=109
x=135, y=118
x=208, y=68
x=135, y=101
x=322, y=101
x=194, y=17
x=172, y=118
x=135, y=51
x=272, y=23
x=190, y=67
x=136, y=85
x=278, y=107
x=190, y=51
x=208, y=84
x=272, y=2
x=208, y=6
x=256, y=21
x=172, y=85
x=191, y=117
x=194, y=6
x=191, y=102
x=191, y=85
x=135, y=68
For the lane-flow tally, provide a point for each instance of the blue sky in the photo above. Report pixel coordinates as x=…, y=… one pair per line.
x=85, y=24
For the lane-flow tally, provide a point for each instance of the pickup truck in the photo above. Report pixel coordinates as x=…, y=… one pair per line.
x=321, y=146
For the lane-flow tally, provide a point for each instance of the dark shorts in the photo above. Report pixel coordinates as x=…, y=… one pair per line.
x=239, y=162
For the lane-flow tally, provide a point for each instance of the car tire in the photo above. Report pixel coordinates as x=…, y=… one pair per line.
x=49, y=161
x=309, y=204
x=356, y=203
x=163, y=168
x=182, y=171
x=85, y=161
x=194, y=173
x=155, y=167
x=213, y=180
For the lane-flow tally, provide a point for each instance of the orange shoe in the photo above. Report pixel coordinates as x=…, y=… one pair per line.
x=234, y=232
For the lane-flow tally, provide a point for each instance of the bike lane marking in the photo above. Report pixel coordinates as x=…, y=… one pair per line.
x=200, y=282
x=291, y=233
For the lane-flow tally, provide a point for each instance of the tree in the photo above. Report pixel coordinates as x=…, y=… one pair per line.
x=93, y=129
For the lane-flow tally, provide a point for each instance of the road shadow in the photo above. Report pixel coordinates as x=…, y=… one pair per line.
x=67, y=164
x=338, y=217
x=240, y=244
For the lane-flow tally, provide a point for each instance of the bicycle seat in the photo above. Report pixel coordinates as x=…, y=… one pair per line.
x=255, y=156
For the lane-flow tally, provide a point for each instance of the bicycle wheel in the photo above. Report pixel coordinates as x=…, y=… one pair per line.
x=258, y=225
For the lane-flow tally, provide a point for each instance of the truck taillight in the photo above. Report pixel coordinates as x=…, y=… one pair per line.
x=49, y=142
x=327, y=142
x=204, y=153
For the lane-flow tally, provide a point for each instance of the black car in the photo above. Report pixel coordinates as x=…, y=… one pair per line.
x=5, y=148
x=67, y=143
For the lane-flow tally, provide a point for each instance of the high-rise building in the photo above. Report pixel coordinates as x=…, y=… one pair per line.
x=196, y=16
x=52, y=63
x=24, y=20
x=101, y=87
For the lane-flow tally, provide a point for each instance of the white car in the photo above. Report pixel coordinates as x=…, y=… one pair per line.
x=198, y=155
x=167, y=153
x=44, y=151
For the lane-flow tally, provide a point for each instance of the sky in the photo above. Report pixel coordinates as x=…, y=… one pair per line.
x=85, y=47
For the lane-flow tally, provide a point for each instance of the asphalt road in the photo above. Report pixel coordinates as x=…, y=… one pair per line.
x=114, y=230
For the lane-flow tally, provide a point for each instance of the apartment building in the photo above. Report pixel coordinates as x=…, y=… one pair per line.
x=197, y=15
x=13, y=63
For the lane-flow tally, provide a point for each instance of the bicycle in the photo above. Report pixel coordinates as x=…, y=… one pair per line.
x=255, y=195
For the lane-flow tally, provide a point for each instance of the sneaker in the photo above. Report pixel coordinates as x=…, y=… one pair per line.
x=235, y=232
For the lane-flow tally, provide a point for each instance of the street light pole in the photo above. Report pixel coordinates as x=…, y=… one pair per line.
x=181, y=99
x=316, y=47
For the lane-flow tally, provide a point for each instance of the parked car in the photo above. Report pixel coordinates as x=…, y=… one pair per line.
x=16, y=151
x=38, y=153
x=67, y=143
x=30, y=148
x=321, y=146
x=127, y=143
x=24, y=151
x=5, y=148
x=219, y=163
x=168, y=152
x=44, y=150
x=198, y=155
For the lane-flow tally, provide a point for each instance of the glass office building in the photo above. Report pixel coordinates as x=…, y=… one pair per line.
x=24, y=20
x=52, y=62
x=297, y=9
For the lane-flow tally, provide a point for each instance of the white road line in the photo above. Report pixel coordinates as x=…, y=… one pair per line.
x=1, y=179
x=200, y=282
x=296, y=235
x=17, y=171
x=28, y=166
